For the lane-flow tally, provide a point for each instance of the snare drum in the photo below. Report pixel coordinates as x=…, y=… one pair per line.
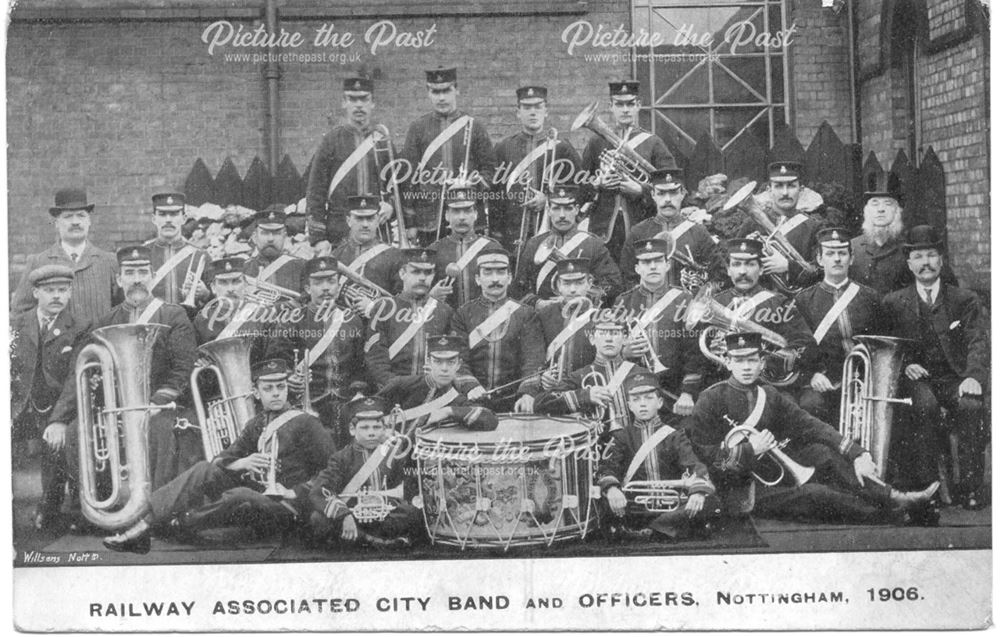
x=526, y=483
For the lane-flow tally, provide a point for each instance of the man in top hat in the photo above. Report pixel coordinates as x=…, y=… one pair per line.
x=536, y=264
x=836, y=309
x=440, y=146
x=457, y=251
x=566, y=324
x=504, y=337
x=93, y=290
x=656, y=333
x=695, y=248
x=235, y=486
x=171, y=450
x=366, y=464
x=948, y=366
x=529, y=163
x=364, y=253
x=844, y=486
x=647, y=450
x=270, y=264
x=44, y=343
x=747, y=299
x=396, y=344
x=328, y=341
x=616, y=195
x=347, y=163
x=176, y=262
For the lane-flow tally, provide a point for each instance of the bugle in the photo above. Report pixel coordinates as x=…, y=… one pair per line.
x=222, y=420
x=799, y=474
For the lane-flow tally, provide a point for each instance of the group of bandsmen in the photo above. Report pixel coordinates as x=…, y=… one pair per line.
x=373, y=341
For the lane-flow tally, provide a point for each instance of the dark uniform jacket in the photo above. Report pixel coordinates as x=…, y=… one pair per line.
x=449, y=250
x=344, y=465
x=602, y=266
x=449, y=157
x=696, y=239
x=579, y=350
x=676, y=347
x=261, y=326
x=336, y=146
x=288, y=276
x=572, y=394
x=94, y=290
x=652, y=149
x=39, y=368
x=803, y=239
x=511, y=351
x=304, y=447
x=669, y=460
x=957, y=326
x=884, y=267
x=862, y=316
x=169, y=287
x=382, y=269
x=418, y=389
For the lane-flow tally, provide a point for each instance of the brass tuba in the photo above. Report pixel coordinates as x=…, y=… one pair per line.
x=115, y=476
x=621, y=157
x=774, y=240
x=222, y=420
x=867, y=393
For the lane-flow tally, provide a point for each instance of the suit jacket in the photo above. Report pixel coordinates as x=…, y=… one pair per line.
x=63, y=342
x=94, y=288
x=884, y=267
x=960, y=324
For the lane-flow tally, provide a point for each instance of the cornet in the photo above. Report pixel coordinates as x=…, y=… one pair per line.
x=657, y=496
x=800, y=474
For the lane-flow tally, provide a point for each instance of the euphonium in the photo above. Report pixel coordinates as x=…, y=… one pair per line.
x=222, y=420
x=355, y=287
x=115, y=480
x=657, y=496
x=800, y=474
x=775, y=240
x=267, y=294
x=868, y=389
x=621, y=157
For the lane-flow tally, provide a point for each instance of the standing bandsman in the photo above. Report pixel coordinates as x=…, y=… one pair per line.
x=949, y=365
x=504, y=337
x=566, y=323
x=329, y=343
x=536, y=265
x=346, y=164
x=528, y=163
x=836, y=309
x=616, y=195
x=694, y=247
x=176, y=263
x=440, y=146
x=363, y=252
x=171, y=450
x=457, y=251
x=44, y=344
x=656, y=333
x=270, y=265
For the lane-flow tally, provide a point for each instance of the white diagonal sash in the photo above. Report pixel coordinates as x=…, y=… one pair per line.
x=470, y=254
x=530, y=158
x=493, y=321
x=272, y=269
x=647, y=447
x=234, y=325
x=758, y=410
x=442, y=138
x=352, y=160
x=148, y=313
x=358, y=265
x=170, y=264
x=678, y=231
x=792, y=223
x=575, y=325
x=750, y=304
x=367, y=469
x=324, y=342
x=273, y=427
x=547, y=266
x=656, y=309
x=616, y=380
x=412, y=329
x=634, y=142
x=835, y=311
x=440, y=402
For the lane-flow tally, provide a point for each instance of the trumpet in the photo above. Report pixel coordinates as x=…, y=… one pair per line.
x=189, y=298
x=799, y=474
x=383, y=138
x=269, y=478
x=650, y=360
x=774, y=241
x=267, y=294
x=622, y=159
x=306, y=378
x=657, y=496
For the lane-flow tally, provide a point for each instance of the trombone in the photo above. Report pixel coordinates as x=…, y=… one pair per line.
x=460, y=178
x=382, y=137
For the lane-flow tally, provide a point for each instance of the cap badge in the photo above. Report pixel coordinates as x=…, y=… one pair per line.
x=624, y=90
x=272, y=365
x=442, y=341
x=229, y=266
x=531, y=92
x=743, y=247
x=271, y=215
x=357, y=85
x=135, y=254
x=170, y=200
x=742, y=342
x=835, y=235
x=784, y=169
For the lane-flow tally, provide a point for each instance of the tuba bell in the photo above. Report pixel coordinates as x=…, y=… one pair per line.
x=222, y=420
x=115, y=474
x=867, y=394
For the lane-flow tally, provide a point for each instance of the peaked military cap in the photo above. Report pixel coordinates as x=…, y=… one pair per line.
x=271, y=369
x=564, y=195
x=667, y=179
x=627, y=88
x=369, y=407
x=321, y=267
x=228, y=267
x=652, y=248
x=169, y=201
x=363, y=205
x=444, y=346
x=743, y=343
x=569, y=269
x=271, y=218
x=784, y=171
x=134, y=255
x=420, y=256
x=460, y=196
x=493, y=257
x=745, y=248
x=641, y=383
x=358, y=85
x=532, y=94
x=442, y=76
x=833, y=238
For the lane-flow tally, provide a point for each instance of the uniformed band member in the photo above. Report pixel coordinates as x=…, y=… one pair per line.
x=435, y=147
x=364, y=253
x=456, y=252
x=175, y=261
x=647, y=450
x=694, y=246
x=844, y=487
x=503, y=336
x=836, y=309
x=536, y=264
x=616, y=195
x=566, y=323
x=948, y=366
x=261, y=481
x=269, y=264
x=529, y=163
x=44, y=344
x=365, y=466
x=347, y=163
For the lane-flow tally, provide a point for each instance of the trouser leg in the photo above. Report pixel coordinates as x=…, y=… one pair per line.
x=241, y=506
x=915, y=443
x=965, y=419
x=189, y=490
x=823, y=405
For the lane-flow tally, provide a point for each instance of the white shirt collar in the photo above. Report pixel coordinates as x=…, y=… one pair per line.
x=935, y=290
x=68, y=249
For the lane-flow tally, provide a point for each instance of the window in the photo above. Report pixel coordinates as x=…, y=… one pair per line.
x=719, y=69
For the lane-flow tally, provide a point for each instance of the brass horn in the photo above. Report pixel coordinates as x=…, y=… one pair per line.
x=657, y=496
x=621, y=157
x=267, y=294
x=800, y=474
x=222, y=420
x=115, y=475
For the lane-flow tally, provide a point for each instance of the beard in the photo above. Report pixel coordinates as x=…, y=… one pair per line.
x=137, y=294
x=883, y=234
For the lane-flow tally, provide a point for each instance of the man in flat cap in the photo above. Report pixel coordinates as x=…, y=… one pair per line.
x=529, y=163
x=364, y=253
x=445, y=144
x=44, y=343
x=93, y=290
x=616, y=195
x=177, y=264
x=348, y=163
x=269, y=264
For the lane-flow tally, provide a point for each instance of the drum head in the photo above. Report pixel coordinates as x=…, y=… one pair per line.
x=512, y=428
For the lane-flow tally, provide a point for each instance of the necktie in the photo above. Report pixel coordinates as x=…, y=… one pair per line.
x=929, y=299
x=74, y=256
